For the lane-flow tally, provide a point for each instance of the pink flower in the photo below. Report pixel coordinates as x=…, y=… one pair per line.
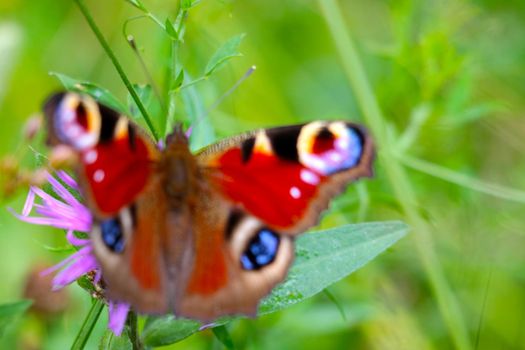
x=70, y=214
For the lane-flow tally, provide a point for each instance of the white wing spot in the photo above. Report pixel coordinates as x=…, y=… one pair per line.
x=99, y=175
x=91, y=157
x=295, y=192
x=309, y=177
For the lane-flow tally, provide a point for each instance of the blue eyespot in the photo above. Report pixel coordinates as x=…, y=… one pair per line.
x=355, y=147
x=112, y=234
x=261, y=250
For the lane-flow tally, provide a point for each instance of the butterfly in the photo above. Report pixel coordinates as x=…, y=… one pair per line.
x=208, y=234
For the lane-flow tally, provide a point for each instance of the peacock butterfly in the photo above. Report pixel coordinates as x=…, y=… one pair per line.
x=208, y=234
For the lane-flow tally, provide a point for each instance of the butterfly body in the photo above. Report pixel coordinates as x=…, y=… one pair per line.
x=208, y=234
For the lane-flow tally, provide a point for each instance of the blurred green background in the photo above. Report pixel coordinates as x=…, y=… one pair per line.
x=449, y=77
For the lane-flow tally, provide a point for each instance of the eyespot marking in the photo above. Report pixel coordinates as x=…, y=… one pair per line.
x=112, y=234
x=82, y=117
x=261, y=250
x=327, y=148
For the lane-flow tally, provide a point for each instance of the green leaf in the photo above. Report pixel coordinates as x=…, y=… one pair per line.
x=63, y=249
x=100, y=94
x=322, y=258
x=170, y=30
x=86, y=283
x=138, y=5
x=10, y=312
x=325, y=257
x=110, y=341
x=165, y=330
x=178, y=80
x=203, y=132
x=188, y=4
x=227, y=51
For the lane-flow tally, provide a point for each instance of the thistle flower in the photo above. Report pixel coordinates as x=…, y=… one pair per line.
x=68, y=213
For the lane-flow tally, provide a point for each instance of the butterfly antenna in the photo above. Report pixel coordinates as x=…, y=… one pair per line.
x=131, y=40
x=220, y=99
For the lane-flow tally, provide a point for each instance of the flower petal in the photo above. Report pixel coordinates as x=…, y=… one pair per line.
x=67, y=179
x=118, y=313
x=83, y=263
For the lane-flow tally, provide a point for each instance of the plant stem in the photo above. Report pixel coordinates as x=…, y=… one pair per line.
x=116, y=63
x=133, y=331
x=191, y=83
x=463, y=180
x=396, y=174
x=88, y=325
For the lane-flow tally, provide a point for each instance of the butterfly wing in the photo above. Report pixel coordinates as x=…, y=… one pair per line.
x=266, y=187
x=115, y=167
x=286, y=176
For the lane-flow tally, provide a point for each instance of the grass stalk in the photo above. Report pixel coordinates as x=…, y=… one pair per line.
x=462, y=180
x=396, y=173
x=91, y=22
x=88, y=325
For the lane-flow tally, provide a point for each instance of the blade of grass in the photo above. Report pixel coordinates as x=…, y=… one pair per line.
x=395, y=172
x=454, y=177
x=117, y=65
x=337, y=304
x=88, y=325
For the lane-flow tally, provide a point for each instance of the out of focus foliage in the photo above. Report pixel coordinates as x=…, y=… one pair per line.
x=449, y=77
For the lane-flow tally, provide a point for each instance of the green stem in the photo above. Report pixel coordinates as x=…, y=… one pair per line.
x=462, y=180
x=88, y=325
x=396, y=174
x=132, y=322
x=191, y=83
x=116, y=63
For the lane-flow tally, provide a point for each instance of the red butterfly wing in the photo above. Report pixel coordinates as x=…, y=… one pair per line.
x=116, y=158
x=286, y=176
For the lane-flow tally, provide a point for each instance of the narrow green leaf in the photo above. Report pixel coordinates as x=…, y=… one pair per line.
x=138, y=5
x=85, y=283
x=203, y=132
x=222, y=334
x=97, y=92
x=145, y=94
x=110, y=341
x=336, y=302
x=227, y=51
x=63, y=249
x=170, y=30
x=188, y=4
x=322, y=258
x=178, y=80
x=10, y=312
